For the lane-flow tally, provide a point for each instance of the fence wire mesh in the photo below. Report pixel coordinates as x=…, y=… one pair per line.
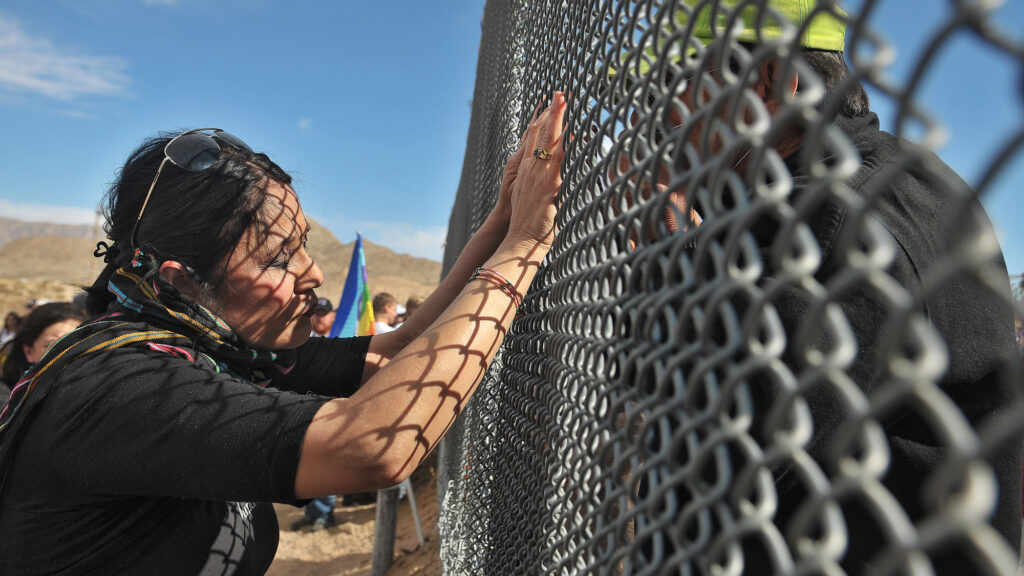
x=767, y=339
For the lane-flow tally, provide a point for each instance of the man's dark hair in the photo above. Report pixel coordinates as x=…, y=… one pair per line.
x=831, y=68
x=835, y=75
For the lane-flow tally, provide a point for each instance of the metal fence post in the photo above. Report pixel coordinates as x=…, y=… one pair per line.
x=384, y=532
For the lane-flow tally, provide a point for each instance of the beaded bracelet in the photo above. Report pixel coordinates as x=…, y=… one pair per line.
x=500, y=281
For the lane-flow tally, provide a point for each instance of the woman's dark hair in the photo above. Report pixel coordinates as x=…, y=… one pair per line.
x=196, y=218
x=31, y=327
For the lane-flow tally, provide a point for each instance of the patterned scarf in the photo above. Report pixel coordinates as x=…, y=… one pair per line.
x=149, y=313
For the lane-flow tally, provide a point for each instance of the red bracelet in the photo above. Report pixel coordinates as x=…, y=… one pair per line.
x=500, y=281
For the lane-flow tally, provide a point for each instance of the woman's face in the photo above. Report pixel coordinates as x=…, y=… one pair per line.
x=267, y=296
x=52, y=333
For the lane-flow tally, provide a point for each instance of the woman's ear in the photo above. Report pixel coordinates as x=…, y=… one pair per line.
x=180, y=277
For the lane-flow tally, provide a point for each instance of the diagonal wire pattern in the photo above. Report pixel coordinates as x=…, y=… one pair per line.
x=698, y=382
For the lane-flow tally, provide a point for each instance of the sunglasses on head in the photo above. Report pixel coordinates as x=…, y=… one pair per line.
x=191, y=150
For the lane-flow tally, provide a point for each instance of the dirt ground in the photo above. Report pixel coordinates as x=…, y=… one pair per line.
x=347, y=548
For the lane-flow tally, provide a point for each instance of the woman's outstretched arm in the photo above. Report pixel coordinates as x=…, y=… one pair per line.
x=377, y=437
x=481, y=246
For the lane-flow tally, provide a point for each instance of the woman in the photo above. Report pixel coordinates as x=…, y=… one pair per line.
x=151, y=440
x=41, y=328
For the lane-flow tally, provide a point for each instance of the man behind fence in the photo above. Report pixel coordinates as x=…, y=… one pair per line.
x=898, y=202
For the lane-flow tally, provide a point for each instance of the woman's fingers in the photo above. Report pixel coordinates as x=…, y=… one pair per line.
x=526, y=133
x=530, y=134
x=526, y=146
x=558, y=148
x=539, y=175
x=551, y=120
x=543, y=127
x=546, y=132
x=512, y=166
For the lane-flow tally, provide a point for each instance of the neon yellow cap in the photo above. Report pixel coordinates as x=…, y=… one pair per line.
x=826, y=31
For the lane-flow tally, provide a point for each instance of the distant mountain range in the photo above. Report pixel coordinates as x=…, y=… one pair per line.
x=11, y=230
x=49, y=260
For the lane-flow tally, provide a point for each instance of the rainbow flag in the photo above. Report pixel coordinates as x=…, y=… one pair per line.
x=355, y=309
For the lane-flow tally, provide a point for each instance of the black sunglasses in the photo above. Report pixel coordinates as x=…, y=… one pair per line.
x=193, y=151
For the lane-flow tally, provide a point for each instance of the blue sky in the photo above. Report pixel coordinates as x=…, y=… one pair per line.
x=975, y=92
x=367, y=104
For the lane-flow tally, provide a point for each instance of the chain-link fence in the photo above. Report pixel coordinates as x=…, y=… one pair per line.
x=768, y=339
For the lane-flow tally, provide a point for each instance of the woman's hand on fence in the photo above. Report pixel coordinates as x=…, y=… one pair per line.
x=538, y=177
x=503, y=209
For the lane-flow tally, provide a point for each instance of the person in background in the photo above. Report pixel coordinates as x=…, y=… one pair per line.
x=323, y=317
x=385, y=312
x=400, y=315
x=412, y=304
x=11, y=322
x=35, y=303
x=319, y=513
x=10, y=328
x=41, y=328
x=405, y=311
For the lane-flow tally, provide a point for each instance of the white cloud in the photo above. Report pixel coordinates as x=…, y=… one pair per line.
x=404, y=238
x=36, y=66
x=46, y=213
x=305, y=123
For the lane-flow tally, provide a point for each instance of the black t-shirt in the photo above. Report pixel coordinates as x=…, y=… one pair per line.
x=143, y=462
